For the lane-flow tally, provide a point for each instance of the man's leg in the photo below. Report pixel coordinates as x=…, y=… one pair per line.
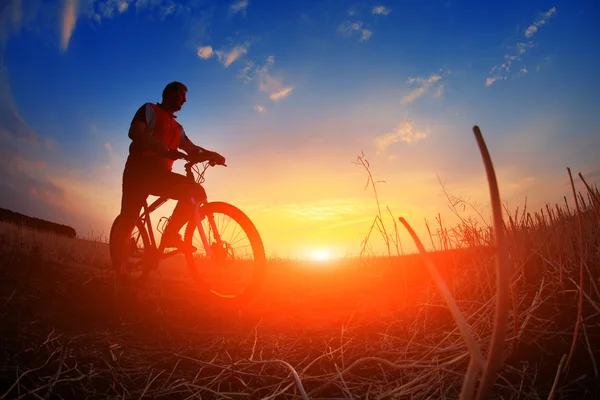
x=179, y=187
x=131, y=203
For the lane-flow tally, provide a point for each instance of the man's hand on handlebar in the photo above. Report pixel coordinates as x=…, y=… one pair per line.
x=212, y=157
x=215, y=158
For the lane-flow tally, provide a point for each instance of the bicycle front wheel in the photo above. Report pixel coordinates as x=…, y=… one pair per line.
x=233, y=268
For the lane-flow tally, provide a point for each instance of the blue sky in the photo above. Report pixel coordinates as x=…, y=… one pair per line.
x=291, y=92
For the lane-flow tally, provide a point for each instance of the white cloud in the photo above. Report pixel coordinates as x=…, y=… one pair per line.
x=69, y=19
x=366, y=34
x=267, y=81
x=234, y=54
x=381, y=10
x=168, y=9
x=504, y=70
x=247, y=72
x=109, y=148
x=205, y=52
x=281, y=94
x=413, y=95
x=533, y=28
x=123, y=6
x=108, y=9
x=351, y=28
x=239, y=6
x=259, y=108
x=347, y=28
x=225, y=57
x=423, y=86
x=405, y=132
x=161, y=8
x=489, y=81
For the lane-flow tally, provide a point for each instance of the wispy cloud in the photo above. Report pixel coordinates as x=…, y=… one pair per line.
x=350, y=28
x=347, y=28
x=281, y=94
x=404, y=132
x=489, y=81
x=533, y=28
x=381, y=10
x=162, y=9
x=366, y=34
x=423, y=86
x=69, y=19
x=228, y=57
x=358, y=27
x=259, y=108
x=267, y=81
x=109, y=9
x=504, y=70
x=225, y=57
x=239, y=6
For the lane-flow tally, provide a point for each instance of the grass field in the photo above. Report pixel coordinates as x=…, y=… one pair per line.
x=351, y=328
x=406, y=326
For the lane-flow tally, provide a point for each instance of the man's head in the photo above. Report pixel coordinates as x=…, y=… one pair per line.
x=173, y=96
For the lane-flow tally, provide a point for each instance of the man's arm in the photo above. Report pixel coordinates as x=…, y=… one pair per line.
x=189, y=147
x=142, y=125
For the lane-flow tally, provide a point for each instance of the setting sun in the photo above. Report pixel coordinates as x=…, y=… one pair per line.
x=320, y=255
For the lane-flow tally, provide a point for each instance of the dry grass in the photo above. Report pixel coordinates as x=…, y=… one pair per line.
x=343, y=332
x=357, y=328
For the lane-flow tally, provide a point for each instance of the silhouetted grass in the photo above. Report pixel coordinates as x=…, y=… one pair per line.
x=347, y=331
x=366, y=327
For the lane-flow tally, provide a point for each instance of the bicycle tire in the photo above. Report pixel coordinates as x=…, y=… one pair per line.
x=115, y=251
x=256, y=244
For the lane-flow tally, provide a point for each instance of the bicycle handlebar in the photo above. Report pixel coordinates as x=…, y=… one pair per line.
x=191, y=159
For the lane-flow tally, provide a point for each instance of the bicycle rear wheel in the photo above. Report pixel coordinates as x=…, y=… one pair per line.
x=236, y=269
x=138, y=254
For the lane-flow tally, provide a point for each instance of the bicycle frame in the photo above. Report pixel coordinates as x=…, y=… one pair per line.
x=197, y=205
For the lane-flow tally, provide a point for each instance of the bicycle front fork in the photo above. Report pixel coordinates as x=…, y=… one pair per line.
x=212, y=226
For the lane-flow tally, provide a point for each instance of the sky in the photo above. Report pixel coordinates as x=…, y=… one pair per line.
x=291, y=93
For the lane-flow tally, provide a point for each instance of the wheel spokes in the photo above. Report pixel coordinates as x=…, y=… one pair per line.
x=228, y=272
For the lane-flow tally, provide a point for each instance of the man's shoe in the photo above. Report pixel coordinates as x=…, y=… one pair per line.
x=175, y=241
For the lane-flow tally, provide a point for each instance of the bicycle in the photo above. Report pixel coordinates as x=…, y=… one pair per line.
x=216, y=263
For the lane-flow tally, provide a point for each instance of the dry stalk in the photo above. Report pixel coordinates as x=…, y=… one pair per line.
x=381, y=226
x=470, y=380
x=590, y=351
x=494, y=360
x=581, y=267
x=460, y=321
x=556, y=378
x=292, y=370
